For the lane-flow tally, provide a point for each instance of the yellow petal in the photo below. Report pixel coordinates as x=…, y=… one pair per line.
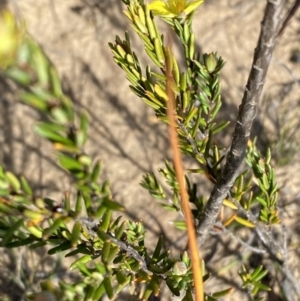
x=160, y=8
x=192, y=6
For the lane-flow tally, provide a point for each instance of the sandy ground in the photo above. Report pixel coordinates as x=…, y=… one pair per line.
x=124, y=132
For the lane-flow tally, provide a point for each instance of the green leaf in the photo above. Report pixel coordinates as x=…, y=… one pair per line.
x=189, y=296
x=68, y=107
x=80, y=249
x=83, y=133
x=153, y=57
x=76, y=234
x=106, y=221
x=122, y=279
x=18, y=75
x=262, y=286
x=13, y=181
x=96, y=171
x=85, y=160
x=10, y=232
x=152, y=287
x=79, y=203
x=89, y=292
x=25, y=186
x=222, y=293
x=114, y=250
x=5, y=208
x=256, y=272
x=99, y=292
x=112, y=205
x=259, y=275
x=108, y=287
x=36, y=231
x=41, y=64
x=220, y=127
x=106, y=251
x=209, y=298
x=60, y=115
x=216, y=109
x=54, y=227
x=100, y=211
x=34, y=101
x=4, y=185
x=81, y=260
x=171, y=285
x=158, y=249
x=181, y=225
x=52, y=132
x=69, y=163
x=151, y=103
x=55, y=82
x=21, y=242
x=60, y=248
x=38, y=244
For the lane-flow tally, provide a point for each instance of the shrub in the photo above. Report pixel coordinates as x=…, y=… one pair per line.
x=109, y=251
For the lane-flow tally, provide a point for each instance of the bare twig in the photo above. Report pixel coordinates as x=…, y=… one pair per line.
x=275, y=247
x=290, y=281
x=246, y=115
x=132, y=253
x=92, y=224
x=289, y=15
x=239, y=240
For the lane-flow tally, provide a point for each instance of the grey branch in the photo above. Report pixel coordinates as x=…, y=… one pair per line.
x=288, y=17
x=246, y=115
x=132, y=253
x=239, y=240
x=275, y=247
x=93, y=224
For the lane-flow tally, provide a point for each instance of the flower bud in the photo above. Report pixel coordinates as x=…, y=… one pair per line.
x=210, y=61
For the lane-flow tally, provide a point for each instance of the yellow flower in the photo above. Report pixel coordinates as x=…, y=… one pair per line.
x=173, y=8
x=10, y=38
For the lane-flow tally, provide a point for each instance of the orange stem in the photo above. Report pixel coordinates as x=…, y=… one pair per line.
x=192, y=242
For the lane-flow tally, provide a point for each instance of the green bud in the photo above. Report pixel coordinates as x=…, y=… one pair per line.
x=210, y=62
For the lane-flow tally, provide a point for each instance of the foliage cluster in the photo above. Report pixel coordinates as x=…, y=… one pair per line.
x=110, y=251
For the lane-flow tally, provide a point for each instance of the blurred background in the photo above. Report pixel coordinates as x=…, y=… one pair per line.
x=125, y=134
